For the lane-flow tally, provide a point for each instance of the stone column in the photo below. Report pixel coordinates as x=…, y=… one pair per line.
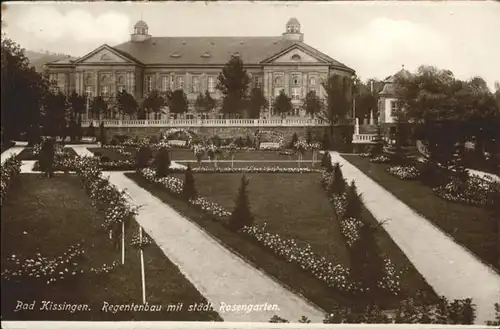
x=96, y=83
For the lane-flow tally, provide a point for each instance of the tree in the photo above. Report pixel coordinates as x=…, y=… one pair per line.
x=77, y=105
x=282, y=103
x=98, y=107
x=294, y=140
x=127, y=104
x=162, y=162
x=257, y=103
x=77, y=108
x=189, y=189
x=233, y=83
x=209, y=103
x=55, y=113
x=338, y=98
x=179, y=103
x=153, y=102
x=241, y=215
x=102, y=134
x=312, y=104
x=22, y=93
x=326, y=162
x=365, y=95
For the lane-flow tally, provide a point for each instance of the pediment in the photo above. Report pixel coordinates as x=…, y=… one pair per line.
x=296, y=55
x=104, y=54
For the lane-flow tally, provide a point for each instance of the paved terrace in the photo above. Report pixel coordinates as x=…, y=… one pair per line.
x=449, y=268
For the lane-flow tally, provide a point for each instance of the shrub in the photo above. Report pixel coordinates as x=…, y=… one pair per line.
x=326, y=162
x=367, y=266
x=249, y=142
x=337, y=184
x=47, y=155
x=144, y=155
x=495, y=322
x=354, y=203
x=102, y=134
x=189, y=189
x=153, y=139
x=309, y=137
x=162, y=162
x=241, y=216
x=294, y=140
x=91, y=130
x=325, y=140
x=216, y=141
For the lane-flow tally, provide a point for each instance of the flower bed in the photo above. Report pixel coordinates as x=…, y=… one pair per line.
x=10, y=169
x=404, y=172
x=335, y=276
x=249, y=169
x=349, y=228
x=475, y=191
x=380, y=159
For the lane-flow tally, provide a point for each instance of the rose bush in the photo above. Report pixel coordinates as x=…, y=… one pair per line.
x=408, y=172
x=11, y=168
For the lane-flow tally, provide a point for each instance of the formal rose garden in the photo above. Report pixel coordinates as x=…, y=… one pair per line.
x=72, y=238
x=463, y=204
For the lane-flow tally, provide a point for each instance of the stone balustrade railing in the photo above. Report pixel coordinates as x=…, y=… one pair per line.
x=214, y=123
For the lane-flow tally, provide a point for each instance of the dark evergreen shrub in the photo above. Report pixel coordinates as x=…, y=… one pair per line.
x=354, y=203
x=46, y=157
x=162, y=162
x=241, y=215
x=102, y=134
x=143, y=157
x=338, y=184
x=189, y=188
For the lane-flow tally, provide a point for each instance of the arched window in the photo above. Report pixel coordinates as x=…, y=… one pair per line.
x=296, y=57
x=278, y=81
x=295, y=80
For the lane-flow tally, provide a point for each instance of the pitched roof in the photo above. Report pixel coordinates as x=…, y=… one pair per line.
x=389, y=83
x=212, y=50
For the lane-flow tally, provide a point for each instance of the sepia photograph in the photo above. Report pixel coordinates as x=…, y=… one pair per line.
x=243, y=164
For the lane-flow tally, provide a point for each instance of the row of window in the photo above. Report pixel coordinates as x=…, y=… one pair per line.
x=104, y=92
x=295, y=80
x=179, y=83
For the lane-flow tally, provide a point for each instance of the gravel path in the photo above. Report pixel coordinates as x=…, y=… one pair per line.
x=13, y=150
x=448, y=267
x=219, y=275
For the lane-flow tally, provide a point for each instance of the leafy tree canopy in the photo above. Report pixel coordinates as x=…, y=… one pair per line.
x=282, y=103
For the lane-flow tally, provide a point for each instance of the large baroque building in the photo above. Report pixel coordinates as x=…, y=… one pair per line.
x=145, y=63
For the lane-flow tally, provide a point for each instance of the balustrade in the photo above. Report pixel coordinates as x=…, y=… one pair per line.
x=212, y=123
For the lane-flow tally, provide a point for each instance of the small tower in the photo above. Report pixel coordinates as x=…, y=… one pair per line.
x=140, y=32
x=293, y=30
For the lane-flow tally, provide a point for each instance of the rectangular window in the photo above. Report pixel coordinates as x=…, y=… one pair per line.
x=104, y=91
x=164, y=84
x=394, y=107
x=211, y=84
x=89, y=91
x=295, y=93
x=180, y=82
x=149, y=83
x=195, y=88
x=257, y=82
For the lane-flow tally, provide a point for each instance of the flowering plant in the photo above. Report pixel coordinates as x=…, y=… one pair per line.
x=250, y=169
x=173, y=131
x=10, y=169
x=380, y=159
x=45, y=270
x=301, y=146
x=140, y=242
x=404, y=172
x=475, y=191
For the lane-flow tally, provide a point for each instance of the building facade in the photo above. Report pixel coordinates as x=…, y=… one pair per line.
x=387, y=99
x=147, y=63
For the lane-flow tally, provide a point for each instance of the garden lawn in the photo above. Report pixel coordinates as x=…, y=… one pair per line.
x=295, y=206
x=49, y=215
x=473, y=227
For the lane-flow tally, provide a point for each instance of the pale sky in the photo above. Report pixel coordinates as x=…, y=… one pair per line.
x=374, y=38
